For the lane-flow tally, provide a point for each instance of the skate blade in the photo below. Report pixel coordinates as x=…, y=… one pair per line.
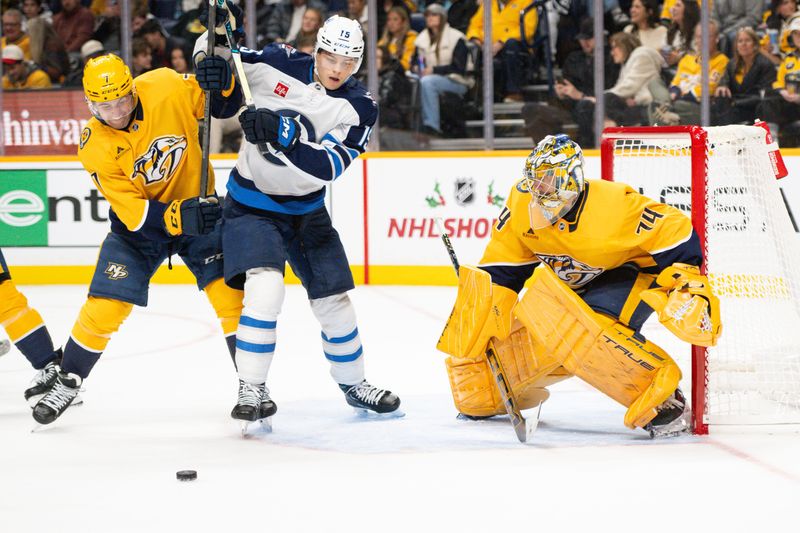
x=368, y=414
x=41, y=428
x=462, y=416
x=680, y=426
x=258, y=427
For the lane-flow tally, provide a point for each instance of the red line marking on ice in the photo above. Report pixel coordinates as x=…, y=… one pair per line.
x=753, y=460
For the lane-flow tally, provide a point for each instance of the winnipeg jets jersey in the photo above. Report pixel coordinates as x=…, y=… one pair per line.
x=610, y=226
x=335, y=128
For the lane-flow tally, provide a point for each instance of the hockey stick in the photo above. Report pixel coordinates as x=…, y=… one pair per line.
x=206, y=141
x=522, y=426
x=238, y=71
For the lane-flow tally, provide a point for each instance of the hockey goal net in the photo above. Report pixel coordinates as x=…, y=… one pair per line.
x=723, y=177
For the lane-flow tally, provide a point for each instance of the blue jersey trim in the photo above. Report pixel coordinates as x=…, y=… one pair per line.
x=244, y=192
x=255, y=348
x=344, y=358
x=255, y=323
x=339, y=340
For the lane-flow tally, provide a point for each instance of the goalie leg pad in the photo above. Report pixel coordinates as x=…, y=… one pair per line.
x=636, y=373
x=482, y=311
x=528, y=370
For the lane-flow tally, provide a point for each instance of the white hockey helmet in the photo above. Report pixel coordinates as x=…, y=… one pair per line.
x=342, y=36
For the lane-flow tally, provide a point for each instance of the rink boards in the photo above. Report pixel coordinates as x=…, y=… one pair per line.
x=384, y=206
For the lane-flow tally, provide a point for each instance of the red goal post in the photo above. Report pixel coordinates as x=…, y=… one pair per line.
x=724, y=177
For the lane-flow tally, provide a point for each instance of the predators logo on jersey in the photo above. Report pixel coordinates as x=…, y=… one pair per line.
x=161, y=160
x=569, y=270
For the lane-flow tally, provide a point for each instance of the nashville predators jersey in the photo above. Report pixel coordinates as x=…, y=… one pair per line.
x=611, y=225
x=789, y=65
x=688, y=76
x=155, y=160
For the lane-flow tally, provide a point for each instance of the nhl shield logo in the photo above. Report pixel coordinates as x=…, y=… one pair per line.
x=465, y=191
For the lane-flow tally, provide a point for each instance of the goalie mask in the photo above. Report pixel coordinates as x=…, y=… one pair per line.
x=554, y=177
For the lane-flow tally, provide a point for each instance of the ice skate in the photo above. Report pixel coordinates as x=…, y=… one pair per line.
x=58, y=398
x=673, y=418
x=5, y=346
x=254, y=407
x=43, y=381
x=369, y=400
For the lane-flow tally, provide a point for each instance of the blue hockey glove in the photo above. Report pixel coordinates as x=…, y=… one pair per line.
x=264, y=126
x=193, y=216
x=230, y=12
x=213, y=73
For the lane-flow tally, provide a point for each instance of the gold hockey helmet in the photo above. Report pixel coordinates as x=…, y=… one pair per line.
x=109, y=89
x=554, y=176
x=106, y=78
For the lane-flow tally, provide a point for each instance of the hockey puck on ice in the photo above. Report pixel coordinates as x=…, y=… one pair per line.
x=186, y=475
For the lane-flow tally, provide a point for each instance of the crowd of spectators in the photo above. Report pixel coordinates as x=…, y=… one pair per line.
x=429, y=55
x=754, y=67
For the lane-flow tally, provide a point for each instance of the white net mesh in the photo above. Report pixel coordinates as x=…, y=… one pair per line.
x=753, y=253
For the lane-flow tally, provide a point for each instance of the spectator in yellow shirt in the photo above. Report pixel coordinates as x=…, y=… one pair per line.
x=783, y=105
x=686, y=89
x=21, y=74
x=507, y=48
x=398, y=37
x=13, y=34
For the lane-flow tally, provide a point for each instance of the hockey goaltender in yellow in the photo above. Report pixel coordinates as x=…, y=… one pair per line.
x=607, y=257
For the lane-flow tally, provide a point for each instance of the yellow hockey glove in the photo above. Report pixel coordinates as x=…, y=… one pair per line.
x=686, y=305
x=193, y=216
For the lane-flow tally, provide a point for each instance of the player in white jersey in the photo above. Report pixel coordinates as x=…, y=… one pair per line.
x=311, y=120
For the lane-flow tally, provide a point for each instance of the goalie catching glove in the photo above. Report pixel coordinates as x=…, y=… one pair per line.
x=686, y=305
x=193, y=216
x=264, y=126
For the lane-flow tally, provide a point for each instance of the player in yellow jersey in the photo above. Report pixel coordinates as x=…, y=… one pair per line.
x=27, y=331
x=603, y=251
x=141, y=149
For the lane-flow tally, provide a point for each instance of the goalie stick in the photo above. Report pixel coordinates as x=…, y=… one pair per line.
x=523, y=427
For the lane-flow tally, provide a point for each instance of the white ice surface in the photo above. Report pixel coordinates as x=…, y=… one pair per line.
x=159, y=399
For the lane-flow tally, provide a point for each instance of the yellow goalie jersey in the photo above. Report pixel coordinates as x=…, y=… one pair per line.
x=611, y=225
x=156, y=160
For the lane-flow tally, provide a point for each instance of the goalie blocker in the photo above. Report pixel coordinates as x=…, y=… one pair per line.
x=551, y=334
